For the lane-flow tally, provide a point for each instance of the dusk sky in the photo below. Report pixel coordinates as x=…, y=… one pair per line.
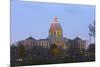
x=34, y=19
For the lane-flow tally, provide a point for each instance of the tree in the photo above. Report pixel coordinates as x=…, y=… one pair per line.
x=91, y=48
x=92, y=31
x=21, y=51
x=55, y=51
x=91, y=51
x=13, y=56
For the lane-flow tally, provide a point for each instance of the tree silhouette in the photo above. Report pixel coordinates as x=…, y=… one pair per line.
x=55, y=51
x=92, y=30
x=21, y=51
x=91, y=51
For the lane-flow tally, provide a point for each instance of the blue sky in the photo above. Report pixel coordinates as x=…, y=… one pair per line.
x=34, y=19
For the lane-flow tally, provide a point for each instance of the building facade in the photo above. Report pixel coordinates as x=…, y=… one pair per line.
x=78, y=43
x=55, y=38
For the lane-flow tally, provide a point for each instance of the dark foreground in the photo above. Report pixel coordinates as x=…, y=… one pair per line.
x=39, y=60
x=21, y=57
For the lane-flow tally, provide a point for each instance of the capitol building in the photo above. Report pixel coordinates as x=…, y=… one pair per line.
x=55, y=38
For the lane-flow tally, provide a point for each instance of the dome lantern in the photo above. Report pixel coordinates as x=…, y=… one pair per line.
x=55, y=19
